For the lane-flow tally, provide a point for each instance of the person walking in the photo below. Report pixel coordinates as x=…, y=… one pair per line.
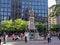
x=49, y=37
x=26, y=37
x=4, y=38
x=59, y=36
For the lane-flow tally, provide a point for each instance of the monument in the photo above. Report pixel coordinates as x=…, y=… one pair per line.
x=33, y=32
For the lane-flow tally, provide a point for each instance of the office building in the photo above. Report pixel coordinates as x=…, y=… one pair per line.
x=12, y=9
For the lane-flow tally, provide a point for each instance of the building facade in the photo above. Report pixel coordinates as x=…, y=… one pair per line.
x=57, y=1
x=12, y=9
x=58, y=18
x=51, y=20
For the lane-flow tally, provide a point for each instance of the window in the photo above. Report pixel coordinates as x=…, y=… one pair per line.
x=23, y=2
x=2, y=1
x=9, y=13
x=5, y=5
x=5, y=13
x=9, y=9
x=42, y=15
x=22, y=15
x=22, y=6
x=27, y=3
x=7, y=1
x=2, y=9
x=39, y=15
x=33, y=3
x=46, y=15
x=5, y=17
x=2, y=5
x=9, y=5
x=43, y=11
x=1, y=13
x=5, y=9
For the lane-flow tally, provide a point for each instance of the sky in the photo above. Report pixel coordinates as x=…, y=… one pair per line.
x=51, y=2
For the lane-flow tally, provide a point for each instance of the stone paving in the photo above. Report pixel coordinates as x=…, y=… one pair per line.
x=54, y=41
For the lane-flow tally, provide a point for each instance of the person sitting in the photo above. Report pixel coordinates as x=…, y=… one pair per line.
x=13, y=37
x=21, y=36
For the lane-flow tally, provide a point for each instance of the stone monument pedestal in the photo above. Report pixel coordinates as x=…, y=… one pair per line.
x=33, y=32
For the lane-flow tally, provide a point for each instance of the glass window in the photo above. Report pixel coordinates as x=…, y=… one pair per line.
x=42, y=15
x=27, y=3
x=46, y=15
x=5, y=13
x=2, y=1
x=9, y=13
x=39, y=7
x=35, y=0
x=5, y=5
x=23, y=2
x=33, y=3
x=36, y=7
x=22, y=6
x=7, y=1
x=39, y=11
x=33, y=7
x=39, y=3
x=39, y=15
x=5, y=9
x=9, y=5
x=5, y=17
x=46, y=11
x=1, y=13
x=2, y=9
x=22, y=15
x=9, y=9
x=43, y=3
x=43, y=11
x=2, y=5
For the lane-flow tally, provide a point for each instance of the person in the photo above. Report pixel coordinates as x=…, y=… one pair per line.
x=59, y=36
x=49, y=37
x=26, y=37
x=13, y=37
x=21, y=36
x=0, y=42
x=44, y=36
x=6, y=37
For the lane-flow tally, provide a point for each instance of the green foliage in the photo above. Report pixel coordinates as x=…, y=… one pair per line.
x=55, y=11
x=56, y=27
x=41, y=26
x=6, y=24
x=18, y=24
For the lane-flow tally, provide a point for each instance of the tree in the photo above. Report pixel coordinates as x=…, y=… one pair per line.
x=41, y=26
x=56, y=27
x=20, y=24
x=6, y=24
x=55, y=11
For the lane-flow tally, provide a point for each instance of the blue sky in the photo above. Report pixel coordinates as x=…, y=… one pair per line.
x=51, y=2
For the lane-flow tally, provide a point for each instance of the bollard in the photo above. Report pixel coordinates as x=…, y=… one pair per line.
x=0, y=41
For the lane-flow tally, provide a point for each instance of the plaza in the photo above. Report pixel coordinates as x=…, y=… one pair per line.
x=54, y=41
